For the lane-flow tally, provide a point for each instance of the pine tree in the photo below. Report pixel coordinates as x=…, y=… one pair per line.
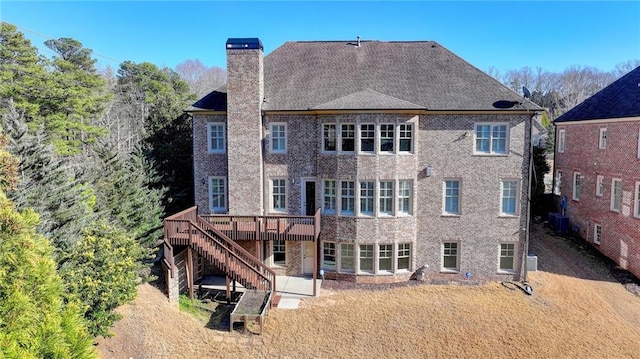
x=34, y=322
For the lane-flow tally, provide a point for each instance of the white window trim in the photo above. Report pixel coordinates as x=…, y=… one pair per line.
x=273, y=255
x=211, y=207
x=354, y=257
x=517, y=198
x=515, y=257
x=210, y=148
x=373, y=259
x=444, y=269
x=359, y=198
x=359, y=138
x=444, y=198
x=355, y=199
x=573, y=186
x=613, y=195
x=378, y=257
x=597, y=238
x=284, y=139
x=412, y=138
x=286, y=189
x=324, y=196
x=562, y=139
x=636, y=210
x=394, y=138
x=602, y=138
x=507, y=145
x=399, y=211
x=335, y=127
x=557, y=185
x=339, y=137
x=397, y=254
x=599, y=185
x=391, y=199
x=335, y=256
x=638, y=142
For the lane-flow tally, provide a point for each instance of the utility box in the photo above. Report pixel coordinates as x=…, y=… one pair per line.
x=562, y=224
x=532, y=263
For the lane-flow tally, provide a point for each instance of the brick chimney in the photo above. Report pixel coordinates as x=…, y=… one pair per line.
x=245, y=93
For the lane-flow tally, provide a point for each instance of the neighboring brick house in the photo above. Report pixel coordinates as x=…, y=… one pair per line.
x=597, y=169
x=414, y=156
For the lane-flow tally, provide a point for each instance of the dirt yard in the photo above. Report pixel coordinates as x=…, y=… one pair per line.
x=579, y=309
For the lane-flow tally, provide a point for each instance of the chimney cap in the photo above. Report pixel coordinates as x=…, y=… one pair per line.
x=250, y=43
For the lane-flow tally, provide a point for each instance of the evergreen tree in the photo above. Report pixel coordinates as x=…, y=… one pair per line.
x=123, y=191
x=76, y=97
x=101, y=274
x=51, y=185
x=22, y=71
x=34, y=322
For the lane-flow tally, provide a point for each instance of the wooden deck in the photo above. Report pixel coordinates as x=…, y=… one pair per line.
x=288, y=228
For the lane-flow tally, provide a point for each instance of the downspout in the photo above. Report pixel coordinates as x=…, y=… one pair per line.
x=525, y=252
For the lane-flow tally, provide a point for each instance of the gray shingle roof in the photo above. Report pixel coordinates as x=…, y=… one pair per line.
x=620, y=99
x=377, y=75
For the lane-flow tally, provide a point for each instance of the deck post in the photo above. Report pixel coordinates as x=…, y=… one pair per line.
x=190, y=272
x=228, y=290
x=315, y=265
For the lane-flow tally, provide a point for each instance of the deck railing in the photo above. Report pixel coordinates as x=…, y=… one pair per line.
x=186, y=228
x=277, y=227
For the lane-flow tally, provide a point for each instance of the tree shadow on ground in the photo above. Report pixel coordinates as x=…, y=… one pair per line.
x=570, y=255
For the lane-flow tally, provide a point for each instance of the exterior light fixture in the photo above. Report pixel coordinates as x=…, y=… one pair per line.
x=428, y=171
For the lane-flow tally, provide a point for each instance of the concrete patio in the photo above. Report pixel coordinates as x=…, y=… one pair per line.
x=290, y=289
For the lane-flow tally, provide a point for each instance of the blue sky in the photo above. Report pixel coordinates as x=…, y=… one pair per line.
x=505, y=35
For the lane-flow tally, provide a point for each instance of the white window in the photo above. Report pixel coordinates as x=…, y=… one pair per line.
x=597, y=233
x=366, y=197
x=329, y=193
x=366, y=258
x=367, y=137
x=638, y=142
x=450, y=256
x=328, y=138
x=636, y=210
x=602, y=142
x=216, y=137
x=278, y=132
x=279, y=195
x=509, y=201
x=599, y=185
x=404, y=256
x=386, y=137
x=491, y=138
x=386, y=197
x=561, y=140
x=405, y=133
x=385, y=258
x=557, y=184
x=217, y=194
x=279, y=249
x=404, y=197
x=452, y=197
x=577, y=185
x=616, y=194
x=348, y=197
x=348, y=137
x=507, y=256
x=347, y=258
x=329, y=256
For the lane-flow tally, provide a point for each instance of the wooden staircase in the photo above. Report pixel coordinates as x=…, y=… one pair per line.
x=188, y=229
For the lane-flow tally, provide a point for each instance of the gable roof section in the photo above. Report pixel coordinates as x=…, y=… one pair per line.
x=366, y=99
x=337, y=75
x=620, y=99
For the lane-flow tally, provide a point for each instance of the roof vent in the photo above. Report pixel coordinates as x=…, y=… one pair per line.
x=252, y=43
x=357, y=41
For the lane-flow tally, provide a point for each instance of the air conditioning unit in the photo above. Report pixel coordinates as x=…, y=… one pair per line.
x=532, y=263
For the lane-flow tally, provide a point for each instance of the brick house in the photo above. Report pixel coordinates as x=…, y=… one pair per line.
x=414, y=157
x=597, y=169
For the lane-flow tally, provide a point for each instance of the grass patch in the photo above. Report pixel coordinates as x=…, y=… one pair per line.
x=195, y=308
